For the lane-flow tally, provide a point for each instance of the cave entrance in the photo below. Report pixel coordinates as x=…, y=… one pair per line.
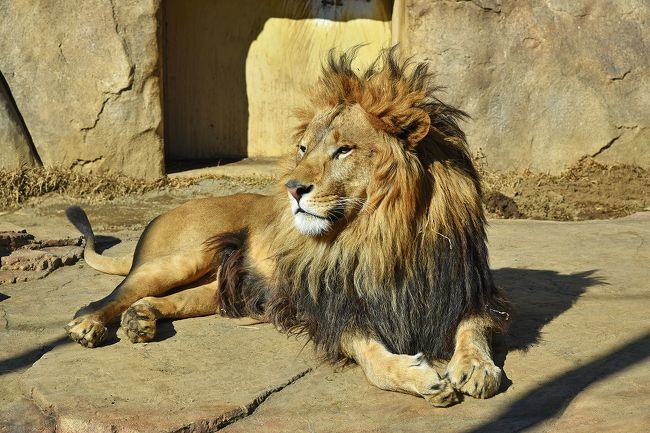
x=233, y=71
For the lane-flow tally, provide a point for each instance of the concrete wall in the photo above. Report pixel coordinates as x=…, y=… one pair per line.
x=285, y=60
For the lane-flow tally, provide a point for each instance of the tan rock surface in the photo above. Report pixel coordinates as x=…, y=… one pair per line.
x=546, y=82
x=85, y=77
x=206, y=373
x=15, y=150
x=576, y=358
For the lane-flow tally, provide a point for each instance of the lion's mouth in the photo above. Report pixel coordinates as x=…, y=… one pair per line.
x=332, y=216
x=301, y=210
x=315, y=224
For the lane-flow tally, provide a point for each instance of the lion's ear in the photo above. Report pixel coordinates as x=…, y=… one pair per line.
x=415, y=126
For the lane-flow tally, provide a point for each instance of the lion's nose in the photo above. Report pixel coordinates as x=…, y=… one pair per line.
x=297, y=189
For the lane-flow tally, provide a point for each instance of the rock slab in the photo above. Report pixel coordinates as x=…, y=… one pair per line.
x=575, y=360
x=219, y=371
x=576, y=356
x=86, y=78
x=15, y=147
x=24, y=258
x=546, y=82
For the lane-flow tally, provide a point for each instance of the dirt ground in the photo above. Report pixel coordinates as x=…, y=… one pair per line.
x=586, y=190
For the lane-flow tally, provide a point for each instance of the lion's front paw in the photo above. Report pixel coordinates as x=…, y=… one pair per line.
x=86, y=331
x=441, y=394
x=474, y=375
x=139, y=322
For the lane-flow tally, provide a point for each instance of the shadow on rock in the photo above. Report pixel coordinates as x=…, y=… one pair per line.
x=164, y=330
x=103, y=243
x=551, y=398
x=538, y=297
x=30, y=356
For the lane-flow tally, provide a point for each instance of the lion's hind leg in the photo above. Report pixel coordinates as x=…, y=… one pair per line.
x=471, y=369
x=410, y=374
x=139, y=320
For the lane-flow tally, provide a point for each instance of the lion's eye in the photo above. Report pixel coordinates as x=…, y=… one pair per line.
x=301, y=149
x=342, y=152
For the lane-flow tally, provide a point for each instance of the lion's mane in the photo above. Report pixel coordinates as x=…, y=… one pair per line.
x=415, y=262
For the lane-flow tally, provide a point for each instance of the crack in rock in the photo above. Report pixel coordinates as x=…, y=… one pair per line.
x=624, y=130
x=99, y=114
x=621, y=77
x=61, y=54
x=4, y=321
x=83, y=162
x=493, y=6
x=607, y=146
x=208, y=426
x=113, y=95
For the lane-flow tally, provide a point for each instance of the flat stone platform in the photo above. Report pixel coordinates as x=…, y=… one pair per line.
x=576, y=358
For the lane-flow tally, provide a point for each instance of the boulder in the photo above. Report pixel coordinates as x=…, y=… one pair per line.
x=546, y=82
x=86, y=79
x=15, y=149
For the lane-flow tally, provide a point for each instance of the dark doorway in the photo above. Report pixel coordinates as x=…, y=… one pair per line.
x=208, y=102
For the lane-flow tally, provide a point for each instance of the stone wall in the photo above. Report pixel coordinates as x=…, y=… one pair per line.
x=546, y=81
x=15, y=144
x=85, y=76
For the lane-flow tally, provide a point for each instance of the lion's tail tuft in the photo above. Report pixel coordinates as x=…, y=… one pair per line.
x=109, y=265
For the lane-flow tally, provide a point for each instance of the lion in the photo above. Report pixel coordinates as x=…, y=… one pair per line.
x=373, y=243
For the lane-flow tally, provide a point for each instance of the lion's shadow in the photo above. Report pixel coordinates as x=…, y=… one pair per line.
x=103, y=243
x=538, y=296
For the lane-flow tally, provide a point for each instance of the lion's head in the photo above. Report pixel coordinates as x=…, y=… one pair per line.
x=383, y=228
x=374, y=139
x=334, y=157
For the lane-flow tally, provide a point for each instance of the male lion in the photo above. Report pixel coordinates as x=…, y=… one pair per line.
x=374, y=244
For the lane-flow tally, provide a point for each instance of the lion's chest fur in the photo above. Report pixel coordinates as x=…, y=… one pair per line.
x=411, y=307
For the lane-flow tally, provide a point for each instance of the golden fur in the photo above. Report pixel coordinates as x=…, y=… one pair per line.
x=373, y=245
x=419, y=218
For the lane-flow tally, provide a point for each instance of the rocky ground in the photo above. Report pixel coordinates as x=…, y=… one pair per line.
x=575, y=359
x=586, y=190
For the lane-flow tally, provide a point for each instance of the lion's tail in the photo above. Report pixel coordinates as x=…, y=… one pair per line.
x=109, y=265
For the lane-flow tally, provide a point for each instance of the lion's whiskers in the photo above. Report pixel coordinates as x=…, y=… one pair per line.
x=360, y=204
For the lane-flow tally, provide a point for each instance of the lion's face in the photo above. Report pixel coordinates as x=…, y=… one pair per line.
x=334, y=166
